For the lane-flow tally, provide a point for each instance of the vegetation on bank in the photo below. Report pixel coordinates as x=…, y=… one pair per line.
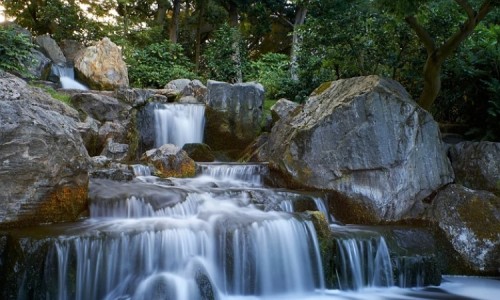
x=445, y=53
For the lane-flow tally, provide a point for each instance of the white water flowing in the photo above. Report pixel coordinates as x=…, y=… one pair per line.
x=364, y=263
x=238, y=174
x=67, y=78
x=179, y=124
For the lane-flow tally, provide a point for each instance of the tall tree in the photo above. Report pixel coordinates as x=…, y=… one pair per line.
x=174, y=25
x=438, y=53
x=300, y=17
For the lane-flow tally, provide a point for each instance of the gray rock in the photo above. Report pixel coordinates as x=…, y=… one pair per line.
x=233, y=115
x=471, y=222
x=115, y=151
x=38, y=65
x=199, y=152
x=282, y=109
x=50, y=48
x=365, y=139
x=195, y=89
x=134, y=97
x=100, y=162
x=70, y=49
x=188, y=100
x=112, y=130
x=89, y=131
x=477, y=165
x=100, y=107
x=43, y=162
x=177, y=84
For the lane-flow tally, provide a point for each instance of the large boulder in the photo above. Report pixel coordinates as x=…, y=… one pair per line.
x=477, y=165
x=366, y=140
x=101, y=66
x=170, y=161
x=100, y=107
x=233, y=115
x=50, y=48
x=470, y=220
x=44, y=164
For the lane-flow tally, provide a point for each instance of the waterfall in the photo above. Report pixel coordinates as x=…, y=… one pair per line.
x=250, y=174
x=363, y=263
x=179, y=124
x=187, y=259
x=191, y=239
x=141, y=170
x=66, y=76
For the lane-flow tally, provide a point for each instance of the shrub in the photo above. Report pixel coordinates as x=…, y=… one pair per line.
x=15, y=50
x=157, y=64
x=218, y=58
x=272, y=71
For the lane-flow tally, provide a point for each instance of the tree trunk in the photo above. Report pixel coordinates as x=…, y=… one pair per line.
x=236, y=57
x=432, y=82
x=300, y=17
x=201, y=12
x=163, y=6
x=174, y=27
x=437, y=55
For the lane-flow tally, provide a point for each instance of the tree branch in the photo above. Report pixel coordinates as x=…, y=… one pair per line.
x=422, y=34
x=468, y=9
x=465, y=30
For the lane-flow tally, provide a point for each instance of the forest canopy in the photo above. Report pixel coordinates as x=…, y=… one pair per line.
x=445, y=52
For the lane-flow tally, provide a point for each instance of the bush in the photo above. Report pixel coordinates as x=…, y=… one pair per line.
x=15, y=50
x=218, y=58
x=272, y=71
x=157, y=64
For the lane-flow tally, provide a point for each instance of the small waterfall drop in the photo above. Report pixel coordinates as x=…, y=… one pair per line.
x=363, y=263
x=179, y=124
x=250, y=174
x=66, y=76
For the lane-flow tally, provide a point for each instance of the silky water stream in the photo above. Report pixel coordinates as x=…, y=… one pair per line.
x=220, y=235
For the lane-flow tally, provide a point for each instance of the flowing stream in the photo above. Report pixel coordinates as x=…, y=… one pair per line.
x=67, y=77
x=220, y=235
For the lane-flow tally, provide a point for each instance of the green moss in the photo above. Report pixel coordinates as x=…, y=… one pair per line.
x=479, y=216
x=65, y=98
x=323, y=87
x=133, y=138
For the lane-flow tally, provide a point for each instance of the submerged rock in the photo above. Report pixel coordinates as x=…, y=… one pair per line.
x=101, y=66
x=365, y=139
x=170, y=161
x=470, y=220
x=43, y=162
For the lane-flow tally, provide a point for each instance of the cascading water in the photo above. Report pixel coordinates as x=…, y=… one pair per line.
x=363, y=263
x=66, y=76
x=179, y=124
x=208, y=238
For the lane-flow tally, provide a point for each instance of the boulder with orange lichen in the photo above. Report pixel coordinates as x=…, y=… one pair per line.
x=43, y=162
x=101, y=66
x=170, y=161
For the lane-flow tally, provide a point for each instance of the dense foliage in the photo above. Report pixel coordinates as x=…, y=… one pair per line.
x=291, y=47
x=15, y=50
x=157, y=64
